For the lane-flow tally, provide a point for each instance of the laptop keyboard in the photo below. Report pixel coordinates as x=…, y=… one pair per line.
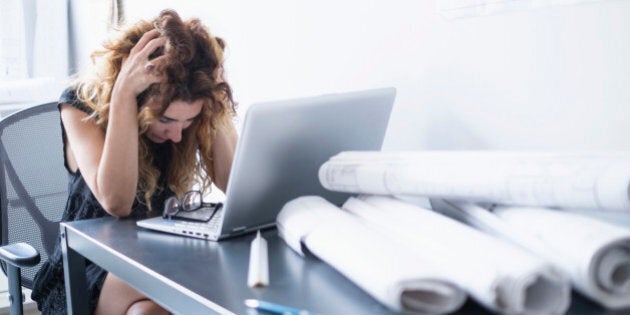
x=210, y=226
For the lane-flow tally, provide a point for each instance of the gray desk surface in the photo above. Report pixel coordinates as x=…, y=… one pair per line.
x=191, y=276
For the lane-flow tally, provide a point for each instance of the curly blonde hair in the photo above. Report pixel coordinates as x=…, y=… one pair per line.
x=194, y=71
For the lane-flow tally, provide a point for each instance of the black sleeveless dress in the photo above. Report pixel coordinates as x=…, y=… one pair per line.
x=49, y=290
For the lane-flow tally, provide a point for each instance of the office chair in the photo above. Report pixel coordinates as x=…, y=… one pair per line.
x=33, y=194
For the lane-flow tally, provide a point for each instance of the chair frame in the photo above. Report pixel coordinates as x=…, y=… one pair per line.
x=21, y=255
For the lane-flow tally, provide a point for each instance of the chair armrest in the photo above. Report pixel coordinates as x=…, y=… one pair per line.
x=20, y=255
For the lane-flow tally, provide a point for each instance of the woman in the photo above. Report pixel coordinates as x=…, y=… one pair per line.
x=152, y=120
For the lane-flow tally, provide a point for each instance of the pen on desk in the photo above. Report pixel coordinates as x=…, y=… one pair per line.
x=258, y=274
x=275, y=308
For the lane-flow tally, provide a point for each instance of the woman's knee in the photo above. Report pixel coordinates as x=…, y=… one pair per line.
x=144, y=307
x=117, y=297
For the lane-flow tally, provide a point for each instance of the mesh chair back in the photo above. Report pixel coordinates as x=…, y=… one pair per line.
x=33, y=181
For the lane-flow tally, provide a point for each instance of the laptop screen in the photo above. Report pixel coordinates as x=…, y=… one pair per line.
x=283, y=144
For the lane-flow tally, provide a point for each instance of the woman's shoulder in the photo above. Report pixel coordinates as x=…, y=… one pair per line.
x=69, y=96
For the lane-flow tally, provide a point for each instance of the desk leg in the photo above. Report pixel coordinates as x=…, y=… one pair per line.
x=74, y=275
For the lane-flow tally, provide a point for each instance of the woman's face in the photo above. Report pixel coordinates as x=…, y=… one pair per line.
x=178, y=116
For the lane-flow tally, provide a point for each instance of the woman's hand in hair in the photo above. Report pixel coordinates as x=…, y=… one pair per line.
x=138, y=72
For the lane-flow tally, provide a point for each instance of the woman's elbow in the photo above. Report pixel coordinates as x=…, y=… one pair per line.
x=116, y=208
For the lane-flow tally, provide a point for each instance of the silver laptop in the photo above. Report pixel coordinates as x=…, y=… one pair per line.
x=280, y=149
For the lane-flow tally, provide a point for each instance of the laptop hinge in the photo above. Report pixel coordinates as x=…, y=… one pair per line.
x=239, y=229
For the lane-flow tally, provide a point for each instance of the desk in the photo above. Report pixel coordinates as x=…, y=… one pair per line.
x=191, y=276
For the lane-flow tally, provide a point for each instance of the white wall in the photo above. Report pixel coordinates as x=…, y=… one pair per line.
x=551, y=78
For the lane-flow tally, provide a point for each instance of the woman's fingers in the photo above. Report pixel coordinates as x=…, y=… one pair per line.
x=148, y=47
x=152, y=46
x=153, y=66
x=138, y=72
x=146, y=38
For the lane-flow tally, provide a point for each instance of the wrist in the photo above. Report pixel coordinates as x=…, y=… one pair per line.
x=123, y=99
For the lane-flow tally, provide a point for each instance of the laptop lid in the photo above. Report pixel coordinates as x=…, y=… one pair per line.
x=283, y=144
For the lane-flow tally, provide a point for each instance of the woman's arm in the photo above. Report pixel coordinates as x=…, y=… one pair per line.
x=86, y=145
x=224, y=144
x=109, y=162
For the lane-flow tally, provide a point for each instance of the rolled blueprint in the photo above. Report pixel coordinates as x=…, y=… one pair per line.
x=595, y=254
x=598, y=180
x=497, y=274
x=385, y=269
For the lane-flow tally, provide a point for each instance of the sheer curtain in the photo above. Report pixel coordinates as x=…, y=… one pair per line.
x=33, y=51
